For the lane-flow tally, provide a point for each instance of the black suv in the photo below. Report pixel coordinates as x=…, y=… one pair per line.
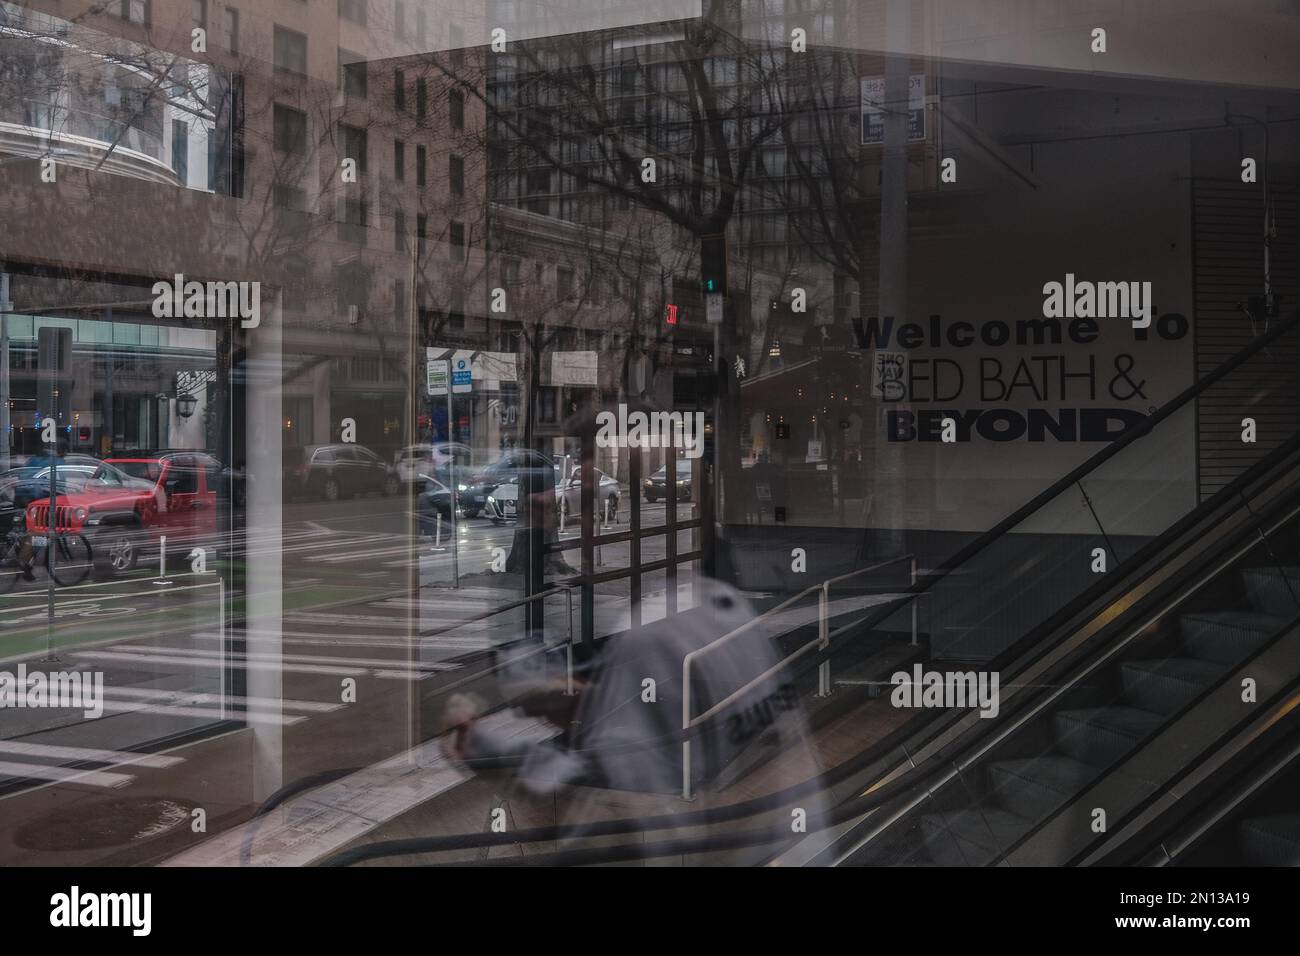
x=337, y=471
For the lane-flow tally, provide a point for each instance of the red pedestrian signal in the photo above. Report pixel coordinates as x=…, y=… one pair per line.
x=670, y=314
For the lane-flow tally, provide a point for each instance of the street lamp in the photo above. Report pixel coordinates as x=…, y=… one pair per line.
x=185, y=403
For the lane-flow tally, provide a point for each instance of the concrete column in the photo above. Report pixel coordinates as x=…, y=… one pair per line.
x=264, y=412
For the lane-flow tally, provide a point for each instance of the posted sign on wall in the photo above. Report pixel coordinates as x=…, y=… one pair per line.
x=873, y=109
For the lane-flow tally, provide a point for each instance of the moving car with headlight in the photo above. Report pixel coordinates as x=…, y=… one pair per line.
x=502, y=502
x=656, y=486
x=515, y=466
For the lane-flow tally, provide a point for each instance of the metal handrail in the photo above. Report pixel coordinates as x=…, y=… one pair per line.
x=822, y=641
x=568, y=644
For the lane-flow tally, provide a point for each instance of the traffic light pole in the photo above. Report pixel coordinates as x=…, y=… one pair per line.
x=6, y=438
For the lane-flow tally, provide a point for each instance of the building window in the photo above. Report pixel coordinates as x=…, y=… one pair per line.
x=421, y=97
x=200, y=8
x=457, y=241
x=181, y=149
x=352, y=140
x=290, y=51
x=293, y=198
x=354, y=10
x=137, y=11
x=564, y=283
x=420, y=166
x=232, y=29
x=399, y=160
x=399, y=230
x=456, y=109
x=399, y=89
x=456, y=175
x=457, y=45
x=352, y=222
x=456, y=309
x=289, y=129
x=352, y=74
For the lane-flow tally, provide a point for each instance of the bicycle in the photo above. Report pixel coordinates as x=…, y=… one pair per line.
x=20, y=552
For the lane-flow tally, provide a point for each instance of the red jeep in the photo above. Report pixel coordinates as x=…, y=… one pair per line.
x=172, y=494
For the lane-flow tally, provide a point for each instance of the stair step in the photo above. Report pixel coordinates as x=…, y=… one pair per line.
x=1273, y=590
x=1102, y=735
x=1227, y=637
x=1271, y=841
x=971, y=837
x=1035, y=786
x=1164, y=686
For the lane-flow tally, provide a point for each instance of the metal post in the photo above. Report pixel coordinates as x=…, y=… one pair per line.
x=5, y=398
x=568, y=688
x=824, y=639
x=51, y=548
x=451, y=476
x=915, y=598
x=686, y=727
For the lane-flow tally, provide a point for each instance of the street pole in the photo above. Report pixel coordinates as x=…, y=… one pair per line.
x=6, y=306
x=451, y=476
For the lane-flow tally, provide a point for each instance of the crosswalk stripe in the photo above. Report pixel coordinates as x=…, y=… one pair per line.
x=19, y=748
x=234, y=700
x=91, y=778
x=257, y=656
x=184, y=661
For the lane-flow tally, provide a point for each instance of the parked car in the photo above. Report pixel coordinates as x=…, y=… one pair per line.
x=28, y=484
x=568, y=495
x=432, y=459
x=514, y=466
x=656, y=486
x=132, y=502
x=339, y=471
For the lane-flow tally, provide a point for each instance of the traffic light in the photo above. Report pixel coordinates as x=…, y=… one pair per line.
x=713, y=265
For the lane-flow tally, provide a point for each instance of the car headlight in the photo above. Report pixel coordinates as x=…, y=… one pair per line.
x=491, y=500
x=80, y=514
x=462, y=487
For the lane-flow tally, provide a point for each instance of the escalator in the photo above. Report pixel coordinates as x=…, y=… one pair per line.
x=1245, y=812
x=1124, y=696
x=1109, y=730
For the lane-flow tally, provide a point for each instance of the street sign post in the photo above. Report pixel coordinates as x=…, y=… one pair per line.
x=462, y=374
x=437, y=383
x=713, y=310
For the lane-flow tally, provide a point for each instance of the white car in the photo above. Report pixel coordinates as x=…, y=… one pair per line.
x=425, y=460
x=568, y=495
x=503, y=503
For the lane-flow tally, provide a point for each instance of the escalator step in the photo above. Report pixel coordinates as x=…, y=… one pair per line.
x=1227, y=637
x=1273, y=590
x=1271, y=841
x=1033, y=787
x=1102, y=735
x=1164, y=686
x=971, y=837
